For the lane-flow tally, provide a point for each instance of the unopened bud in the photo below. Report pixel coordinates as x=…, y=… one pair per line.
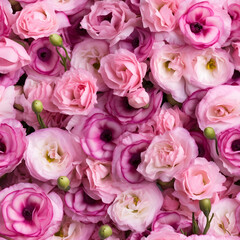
x=205, y=206
x=209, y=133
x=37, y=106
x=56, y=40
x=63, y=183
x=105, y=231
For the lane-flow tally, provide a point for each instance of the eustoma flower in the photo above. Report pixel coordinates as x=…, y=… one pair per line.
x=13, y=143
x=111, y=20
x=203, y=24
x=51, y=153
x=38, y=20
x=135, y=208
x=76, y=92
x=27, y=212
x=167, y=155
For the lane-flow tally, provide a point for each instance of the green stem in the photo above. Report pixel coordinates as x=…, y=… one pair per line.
x=207, y=225
x=195, y=228
x=216, y=145
x=40, y=121
x=65, y=50
x=63, y=62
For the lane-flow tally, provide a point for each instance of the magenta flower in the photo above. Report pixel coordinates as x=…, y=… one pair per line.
x=98, y=135
x=204, y=25
x=27, y=212
x=118, y=107
x=82, y=207
x=127, y=157
x=12, y=145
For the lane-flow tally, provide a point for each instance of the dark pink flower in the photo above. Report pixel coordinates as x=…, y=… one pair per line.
x=203, y=24
x=12, y=145
x=27, y=212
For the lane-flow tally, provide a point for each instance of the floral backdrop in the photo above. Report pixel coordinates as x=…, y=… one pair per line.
x=119, y=119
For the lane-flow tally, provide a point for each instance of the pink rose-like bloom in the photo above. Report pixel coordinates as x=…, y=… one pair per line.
x=44, y=60
x=236, y=53
x=219, y=108
x=167, y=155
x=88, y=54
x=167, y=69
x=76, y=92
x=199, y=181
x=100, y=180
x=6, y=18
x=13, y=56
x=27, y=212
x=122, y=72
x=12, y=145
x=203, y=24
x=82, y=207
x=135, y=208
x=224, y=221
x=169, y=118
x=206, y=68
x=111, y=20
x=138, y=98
x=38, y=20
x=159, y=15
x=229, y=148
x=51, y=153
x=40, y=90
x=170, y=203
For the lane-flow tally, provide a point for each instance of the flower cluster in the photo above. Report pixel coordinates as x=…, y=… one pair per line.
x=119, y=119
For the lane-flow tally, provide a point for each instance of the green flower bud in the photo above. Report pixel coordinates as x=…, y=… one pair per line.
x=56, y=40
x=209, y=133
x=205, y=206
x=63, y=183
x=105, y=231
x=37, y=106
x=172, y=101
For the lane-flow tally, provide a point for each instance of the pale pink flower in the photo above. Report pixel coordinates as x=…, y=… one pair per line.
x=122, y=72
x=38, y=20
x=167, y=155
x=111, y=20
x=219, y=108
x=135, y=208
x=159, y=15
x=13, y=56
x=76, y=92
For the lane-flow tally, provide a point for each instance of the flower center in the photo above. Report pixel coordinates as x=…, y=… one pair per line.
x=27, y=213
x=2, y=147
x=107, y=17
x=211, y=65
x=196, y=27
x=236, y=145
x=44, y=54
x=135, y=160
x=135, y=42
x=88, y=199
x=106, y=135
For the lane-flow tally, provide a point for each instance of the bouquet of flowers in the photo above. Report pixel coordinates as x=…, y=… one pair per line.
x=119, y=119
